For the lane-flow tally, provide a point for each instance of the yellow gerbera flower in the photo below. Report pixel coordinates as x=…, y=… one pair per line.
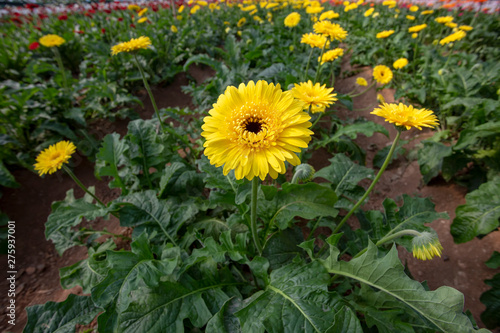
x=292, y=20
x=52, y=159
x=369, y=12
x=410, y=17
x=382, y=74
x=427, y=12
x=317, y=96
x=400, y=63
x=385, y=33
x=444, y=19
x=426, y=246
x=241, y=22
x=142, y=20
x=331, y=55
x=414, y=35
x=361, y=82
x=254, y=129
x=194, y=9
x=451, y=25
x=51, y=40
x=332, y=30
x=134, y=7
x=414, y=8
x=174, y=29
x=417, y=28
x=465, y=27
x=142, y=12
x=133, y=45
x=249, y=8
x=406, y=116
x=328, y=15
x=389, y=3
x=314, y=40
x=453, y=37
x=314, y=10
x=350, y=7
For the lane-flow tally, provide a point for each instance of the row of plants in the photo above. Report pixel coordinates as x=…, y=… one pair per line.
x=211, y=250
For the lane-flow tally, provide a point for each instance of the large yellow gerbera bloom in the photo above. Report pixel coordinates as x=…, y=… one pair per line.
x=51, y=40
x=292, y=20
x=132, y=45
x=254, y=129
x=332, y=30
x=331, y=55
x=52, y=159
x=382, y=74
x=315, y=96
x=406, y=115
x=385, y=33
x=314, y=40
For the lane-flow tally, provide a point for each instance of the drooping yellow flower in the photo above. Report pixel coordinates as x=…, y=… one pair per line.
x=414, y=8
x=314, y=40
x=427, y=12
x=329, y=15
x=51, y=40
x=254, y=129
x=331, y=55
x=360, y=81
x=444, y=19
x=417, y=28
x=174, y=29
x=460, y=34
x=241, y=22
x=142, y=20
x=52, y=159
x=332, y=30
x=316, y=96
x=385, y=33
x=369, y=12
x=142, y=12
x=465, y=27
x=133, y=45
x=426, y=246
x=406, y=115
x=314, y=10
x=382, y=74
x=400, y=63
x=292, y=20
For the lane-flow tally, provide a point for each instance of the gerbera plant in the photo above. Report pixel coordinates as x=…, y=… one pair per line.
x=53, y=42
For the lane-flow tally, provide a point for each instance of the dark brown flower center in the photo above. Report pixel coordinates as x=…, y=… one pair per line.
x=253, y=126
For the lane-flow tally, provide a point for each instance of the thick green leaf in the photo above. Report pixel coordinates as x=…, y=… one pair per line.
x=494, y=261
x=110, y=159
x=145, y=147
x=282, y=247
x=296, y=300
x=470, y=136
x=491, y=298
x=440, y=309
x=430, y=159
x=345, y=322
x=68, y=214
x=480, y=215
x=167, y=175
x=6, y=178
x=225, y=321
x=386, y=321
x=61, y=317
x=88, y=272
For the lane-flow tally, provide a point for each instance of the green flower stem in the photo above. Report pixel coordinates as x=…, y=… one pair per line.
x=317, y=119
x=308, y=63
x=253, y=215
x=319, y=62
x=309, y=111
x=332, y=74
x=388, y=238
x=449, y=56
x=146, y=85
x=313, y=229
x=379, y=174
x=79, y=183
x=61, y=68
x=91, y=232
x=364, y=91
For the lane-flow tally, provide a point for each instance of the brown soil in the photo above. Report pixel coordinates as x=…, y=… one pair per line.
x=462, y=266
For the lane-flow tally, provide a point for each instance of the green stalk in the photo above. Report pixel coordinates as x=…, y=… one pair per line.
x=317, y=119
x=79, y=183
x=319, y=63
x=309, y=111
x=364, y=91
x=61, y=68
x=253, y=215
x=146, y=85
x=308, y=62
x=332, y=74
x=379, y=174
x=388, y=238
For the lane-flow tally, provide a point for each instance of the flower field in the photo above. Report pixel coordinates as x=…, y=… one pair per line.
x=250, y=166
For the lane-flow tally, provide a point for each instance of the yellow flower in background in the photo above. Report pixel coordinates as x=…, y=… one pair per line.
x=410, y=17
x=241, y=22
x=227, y=30
x=142, y=12
x=382, y=74
x=375, y=14
x=202, y=3
x=254, y=129
x=315, y=96
x=350, y=7
x=451, y=25
x=444, y=19
x=52, y=159
x=179, y=17
x=331, y=55
x=406, y=116
x=369, y=12
x=400, y=63
x=417, y=28
x=51, y=40
x=453, y=37
x=385, y=34
x=380, y=98
x=174, y=29
x=194, y=9
x=181, y=9
x=272, y=5
x=414, y=35
x=329, y=15
x=134, y=7
x=292, y=20
x=426, y=246
x=332, y=30
x=389, y=3
x=212, y=6
x=314, y=40
x=269, y=17
x=133, y=45
x=414, y=8
x=427, y=12
x=314, y=10
x=142, y=20
x=465, y=27
x=360, y=81
x=258, y=19
x=249, y=8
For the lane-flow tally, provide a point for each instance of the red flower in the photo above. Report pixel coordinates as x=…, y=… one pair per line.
x=38, y=28
x=79, y=31
x=63, y=17
x=92, y=11
x=88, y=15
x=132, y=25
x=34, y=46
x=16, y=20
x=103, y=30
x=31, y=6
x=42, y=16
x=107, y=11
x=120, y=19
